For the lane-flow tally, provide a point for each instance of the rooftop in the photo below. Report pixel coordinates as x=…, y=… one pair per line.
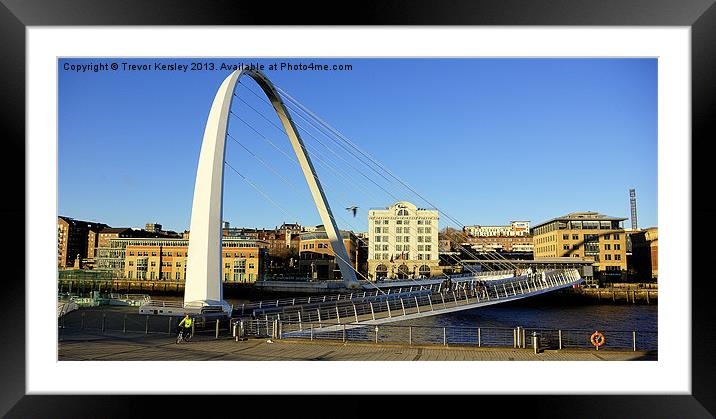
x=577, y=216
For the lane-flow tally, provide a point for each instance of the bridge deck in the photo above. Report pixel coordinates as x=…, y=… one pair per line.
x=386, y=308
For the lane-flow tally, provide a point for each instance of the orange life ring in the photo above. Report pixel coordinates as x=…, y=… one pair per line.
x=597, y=339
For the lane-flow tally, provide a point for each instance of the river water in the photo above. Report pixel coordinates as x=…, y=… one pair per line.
x=539, y=313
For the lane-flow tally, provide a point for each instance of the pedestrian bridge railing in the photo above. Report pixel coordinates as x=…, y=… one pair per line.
x=413, y=302
x=380, y=289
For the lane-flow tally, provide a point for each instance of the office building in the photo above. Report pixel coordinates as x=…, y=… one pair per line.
x=403, y=242
x=588, y=235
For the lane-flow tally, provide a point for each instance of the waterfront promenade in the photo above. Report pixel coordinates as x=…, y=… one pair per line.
x=88, y=346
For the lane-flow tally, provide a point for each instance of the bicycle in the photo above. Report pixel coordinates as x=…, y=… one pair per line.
x=181, y=338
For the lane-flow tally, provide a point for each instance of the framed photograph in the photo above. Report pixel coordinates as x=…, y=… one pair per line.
x=470, y=104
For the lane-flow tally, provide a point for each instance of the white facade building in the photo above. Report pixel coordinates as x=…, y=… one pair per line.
x=516, y=228
x=403, y=242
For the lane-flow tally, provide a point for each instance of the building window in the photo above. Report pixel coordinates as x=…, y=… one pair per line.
x=617, y=257
x=607, y=257
x=575, y=236
x=129, y=275
x=565, y=236
x=616, y=236
x=608, y=246
x=617, y=247
x=606, y=237
x=178, y=276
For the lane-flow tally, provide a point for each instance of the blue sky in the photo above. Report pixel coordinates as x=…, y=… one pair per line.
x=485, y=140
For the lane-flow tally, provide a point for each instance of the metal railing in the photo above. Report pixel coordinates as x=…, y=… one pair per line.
x=112, y=322
x=416, y=300
x=518, y=337
x=465, y=281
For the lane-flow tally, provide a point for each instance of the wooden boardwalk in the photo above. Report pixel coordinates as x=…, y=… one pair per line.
x=83, y=346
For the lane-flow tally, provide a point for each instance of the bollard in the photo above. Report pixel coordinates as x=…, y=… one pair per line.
x=560, y=339
x=169, y=326
x=234, y=333
x=124, y=324
x=535, y=342
x=633, y=339
x=146, y=325
x=376, y=334
x=104, y=317
x=444, y=336
x=410, y=335
x=192, y=328
x=217, y=329
x=479, y=338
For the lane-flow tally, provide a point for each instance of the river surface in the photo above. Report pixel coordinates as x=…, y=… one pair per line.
x=537, y=313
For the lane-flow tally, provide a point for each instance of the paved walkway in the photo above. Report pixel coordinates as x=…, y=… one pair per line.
x=160, y=347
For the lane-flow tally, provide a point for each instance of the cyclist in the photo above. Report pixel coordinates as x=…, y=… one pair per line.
x=185, y=326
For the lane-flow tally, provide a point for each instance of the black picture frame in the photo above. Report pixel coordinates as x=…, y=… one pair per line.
x=16, y=15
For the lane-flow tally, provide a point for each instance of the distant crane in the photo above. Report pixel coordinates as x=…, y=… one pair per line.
x=354, y=209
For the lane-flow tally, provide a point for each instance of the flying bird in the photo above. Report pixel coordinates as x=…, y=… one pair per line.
x=354, y=209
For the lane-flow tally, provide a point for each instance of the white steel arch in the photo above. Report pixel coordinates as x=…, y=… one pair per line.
x=203, y=276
